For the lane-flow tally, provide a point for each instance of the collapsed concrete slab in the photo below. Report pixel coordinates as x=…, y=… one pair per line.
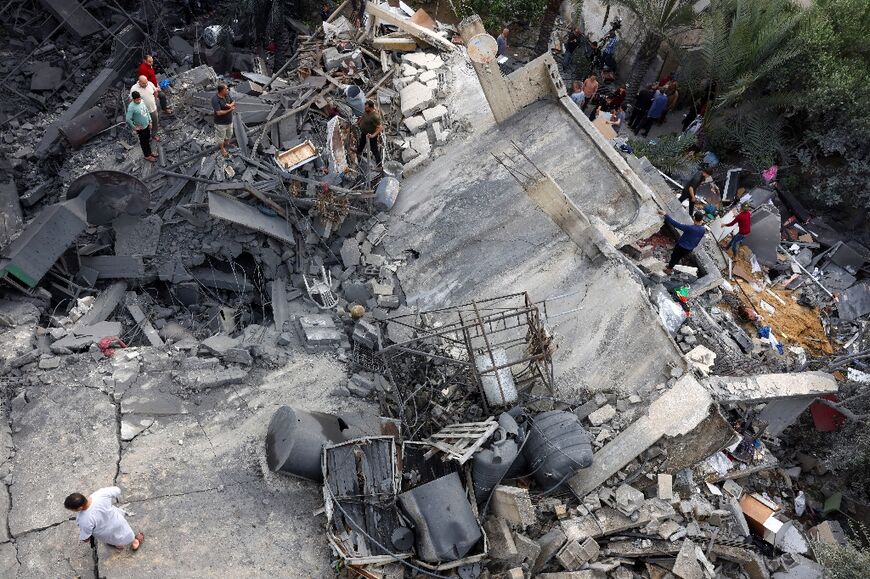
x=675, y=412
x=223, y=207
x=764, y=387
x=29, y=257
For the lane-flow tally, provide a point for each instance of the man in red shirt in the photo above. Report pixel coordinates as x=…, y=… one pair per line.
x=743, y=221
x=146, y=69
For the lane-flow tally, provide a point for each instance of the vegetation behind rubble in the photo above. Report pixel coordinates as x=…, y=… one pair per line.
x=849, y=561
x=833, y=109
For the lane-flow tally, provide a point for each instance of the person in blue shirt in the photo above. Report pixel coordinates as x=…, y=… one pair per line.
x=656, y=111
x=692, y=235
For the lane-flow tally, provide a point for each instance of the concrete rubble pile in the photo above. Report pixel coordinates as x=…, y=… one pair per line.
x=190, y=299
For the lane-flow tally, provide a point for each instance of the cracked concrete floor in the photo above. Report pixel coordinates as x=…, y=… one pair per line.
x=191, y=467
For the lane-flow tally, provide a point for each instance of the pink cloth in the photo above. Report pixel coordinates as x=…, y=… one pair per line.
x=769, y=174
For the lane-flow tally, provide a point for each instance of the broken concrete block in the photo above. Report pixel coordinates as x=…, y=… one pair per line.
x=350, y=253
x=219, y=344
x=367, y=334
x=651, y=265
x=701, y=359
x=576, y=554
x=435, y=113
x=49, y=363
x=668, y=529
x=415, y=97
x=665, y=487
x=501, y=540
x=602, y=415
x=423, y=60
x=550, y=543
x=829, y=532
x=415, y=124
x=428, y=75
x=527, y=550
x=628, y=499
x=238, y=356
x=687, y=565
x=514, y=505
x=317, y=332
x=361, y=384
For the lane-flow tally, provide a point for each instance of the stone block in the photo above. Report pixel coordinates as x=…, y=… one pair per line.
x=514, y=505
x=350, y=253
x=415, y=124
x=501, y=540
x=574, y=554
x=435, y=113
x=414, y=98
x=602, y=415
x=219, y=344
x=550, y=543
x=665, y=487
x=628, y=499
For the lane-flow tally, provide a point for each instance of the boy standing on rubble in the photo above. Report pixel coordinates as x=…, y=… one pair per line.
x=97, y=517
x=370, y=127
x=223, y=107
x=139, y=120
x=692, y=235
x=743, y=221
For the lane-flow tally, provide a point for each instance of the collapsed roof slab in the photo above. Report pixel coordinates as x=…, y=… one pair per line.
x=766, y=387
x=676, y=412
x=478, y=235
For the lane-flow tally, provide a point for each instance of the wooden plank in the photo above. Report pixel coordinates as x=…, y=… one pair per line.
x=399, y=44
x=411, y=28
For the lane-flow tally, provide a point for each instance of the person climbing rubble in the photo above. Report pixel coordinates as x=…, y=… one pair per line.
x=99, y=519
x=692, y=235
x=743, y=221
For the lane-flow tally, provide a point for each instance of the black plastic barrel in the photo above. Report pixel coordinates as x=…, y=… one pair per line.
x=557, y=447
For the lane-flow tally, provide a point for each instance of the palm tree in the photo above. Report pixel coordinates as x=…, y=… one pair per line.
x=745, y=45
x=660, y=21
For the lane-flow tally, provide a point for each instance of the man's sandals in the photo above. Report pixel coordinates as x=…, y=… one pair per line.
x=137, y=541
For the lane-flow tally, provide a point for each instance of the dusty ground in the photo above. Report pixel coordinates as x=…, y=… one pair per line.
x=194, y=481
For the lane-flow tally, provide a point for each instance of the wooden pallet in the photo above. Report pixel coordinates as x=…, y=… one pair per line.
x=460, y=441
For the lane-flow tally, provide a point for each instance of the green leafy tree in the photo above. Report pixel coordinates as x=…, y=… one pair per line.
x=497, y=13
x=833, y=77
x=659, y=20
x=849, y=561
x=737, y=71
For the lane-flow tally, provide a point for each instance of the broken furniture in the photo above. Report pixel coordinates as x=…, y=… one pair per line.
x=295, y=157
x=361, y=482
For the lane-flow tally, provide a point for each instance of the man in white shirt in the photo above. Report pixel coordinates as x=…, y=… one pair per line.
x=97, y=517
x=148, y=92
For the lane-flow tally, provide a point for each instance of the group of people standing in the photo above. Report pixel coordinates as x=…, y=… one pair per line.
x=142, y=112
x=652, y=106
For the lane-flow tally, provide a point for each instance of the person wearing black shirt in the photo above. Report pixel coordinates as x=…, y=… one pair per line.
x=690, y=189
x=223, y=107
x=641, y=106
